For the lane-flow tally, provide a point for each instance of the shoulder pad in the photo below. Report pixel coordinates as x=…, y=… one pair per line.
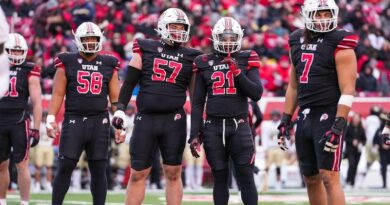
x=346, y=39
x=296, y=36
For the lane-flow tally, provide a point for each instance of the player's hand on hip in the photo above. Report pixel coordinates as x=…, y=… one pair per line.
x=284, y=128
x=331, y=138
x=120, y=136
x=195, y=145
x=33, y=136
x=119, y=120
x=51, y=126
x=385, y=138
x=233, y=65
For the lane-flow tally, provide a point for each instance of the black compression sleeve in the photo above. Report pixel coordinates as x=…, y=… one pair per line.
x=132, y=76
x=198, y=101
x=250, y=84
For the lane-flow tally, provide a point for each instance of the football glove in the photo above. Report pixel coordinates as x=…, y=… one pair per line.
x=195, y=145
x=284, y=128
x=233, y=65
x=33, y=136
x=332, y=136
x=119, y=120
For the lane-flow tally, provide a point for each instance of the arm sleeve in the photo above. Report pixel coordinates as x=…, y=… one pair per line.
x=131, y=80
x=197, y=107
x=250, y=84
x=257, y=113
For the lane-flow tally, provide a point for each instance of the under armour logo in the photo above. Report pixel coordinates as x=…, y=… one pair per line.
x=80, y=60
x=84, y=118
x=208, y=121
x=18, y=68
x=180, y=55
x=139, y=117
x=305, y=112
x=98, y=63
x=105, y=121
x=211, y=62
x=159, y=49
x=320, y=40
x=72, y=121
x=324, y=117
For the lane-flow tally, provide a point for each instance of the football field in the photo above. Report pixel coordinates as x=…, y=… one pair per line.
x=156, y=197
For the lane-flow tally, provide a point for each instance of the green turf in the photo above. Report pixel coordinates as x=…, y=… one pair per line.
x=152, y=198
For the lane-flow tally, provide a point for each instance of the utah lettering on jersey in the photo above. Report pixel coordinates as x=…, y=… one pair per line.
x=315, y=65
x=87, y=87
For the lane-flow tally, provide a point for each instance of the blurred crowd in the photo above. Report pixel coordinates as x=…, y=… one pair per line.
x=48, y=25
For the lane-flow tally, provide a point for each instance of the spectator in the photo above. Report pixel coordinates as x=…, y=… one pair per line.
x=355, y=139
x=26, y=9
x=274, y=155
x=366, y=80
x=384, y=154
x=371, y=125
x=44, y=157
x=82, y=12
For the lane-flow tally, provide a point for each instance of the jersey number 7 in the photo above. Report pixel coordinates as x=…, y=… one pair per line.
x=307, y=58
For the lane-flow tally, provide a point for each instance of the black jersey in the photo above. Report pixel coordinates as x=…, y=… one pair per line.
x=87, y=82
x=315, y=65
x=224, y=97
x=14, y=104
x=165, y=77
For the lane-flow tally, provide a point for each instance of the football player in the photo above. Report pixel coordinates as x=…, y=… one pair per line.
x=4, y=65
x=386, y=131
x=227, y=78
x=15, y=130
x=164, y=71
x=86, y=78
x=322, y=84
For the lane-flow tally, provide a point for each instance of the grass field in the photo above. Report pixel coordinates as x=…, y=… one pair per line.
x=372, y=197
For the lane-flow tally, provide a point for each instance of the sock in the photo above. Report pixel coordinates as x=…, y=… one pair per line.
x=221, y=188
x=244, y=175
x=199, y=176
x=62, y=179
x=98, y=181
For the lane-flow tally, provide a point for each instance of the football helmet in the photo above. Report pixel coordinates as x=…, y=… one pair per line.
x=224, y=28
x=176, y=16
x=311, y=7
x=16, y=42
x=88, y=29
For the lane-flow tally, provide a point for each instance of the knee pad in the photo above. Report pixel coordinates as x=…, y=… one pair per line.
x=66, y=163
